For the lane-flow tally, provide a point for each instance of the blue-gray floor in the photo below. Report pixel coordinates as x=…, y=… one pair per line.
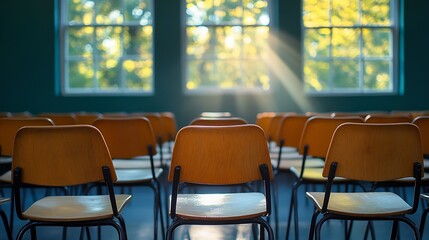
x=138, y=216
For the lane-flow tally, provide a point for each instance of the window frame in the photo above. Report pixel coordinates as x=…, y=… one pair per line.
x=217, y=90
x=64, y=57
x=394, y=58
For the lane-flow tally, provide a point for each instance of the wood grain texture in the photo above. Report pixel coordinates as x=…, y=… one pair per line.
x=127, y=137
x=375, y=152
x=318, y=132
x=230, y=206
x=74, y=208
x=61, y=155
x=204, y=121
x=362, y=204
x=10, y=126
x=220, y=154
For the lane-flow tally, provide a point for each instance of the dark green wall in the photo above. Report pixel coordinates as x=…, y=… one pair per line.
x=28, y=68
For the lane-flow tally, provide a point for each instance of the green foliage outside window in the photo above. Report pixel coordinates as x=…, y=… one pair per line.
x=226, y=45
x=348, y=46
x=108, y=46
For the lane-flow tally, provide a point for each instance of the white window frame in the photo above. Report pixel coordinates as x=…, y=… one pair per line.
x=394, y=50
x=95, y=91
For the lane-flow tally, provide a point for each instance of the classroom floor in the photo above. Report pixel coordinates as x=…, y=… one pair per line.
x=138, y=216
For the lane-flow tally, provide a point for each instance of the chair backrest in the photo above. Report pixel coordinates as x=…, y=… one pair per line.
x=158, y=128
x=127, y=137
x=60, y=118
x=263, y=120
x=218, y=121
x=273, y=128
x=387, y=118
x=220, y=155
x=423, y=123
x=10, y=126
x=168, y=121
x=87, y=117
x=375, y=152
x=61, y=155
x=318, y=132
x=290, y=130
x=215, y=114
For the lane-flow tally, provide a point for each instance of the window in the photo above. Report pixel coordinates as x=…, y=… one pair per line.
x=107, y=46
x=349, y=46
x=226, y=45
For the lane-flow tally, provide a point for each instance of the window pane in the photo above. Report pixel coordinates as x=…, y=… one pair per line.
x=317, y=42
x=109, y=74
x=316, y=74
x=112, y=54
x=346, y=74
x=255, y=42
x=345, y=12
x=376, y=12
x=348, y=47
x=201, y=73
x=377, y=75
x=226, y=44
x=345, y=42
x=81, y=41
x=138, y=41
x=108, y=12
x=138, y=75
x=316, y=13
x=198, y=42
x=80, y=74
x=138, y=11
x=255, y=12
x=377, y=42
x=109, y=42
x=80, y=11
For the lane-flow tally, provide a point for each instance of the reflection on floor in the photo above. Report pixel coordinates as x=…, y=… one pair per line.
x=138, y=217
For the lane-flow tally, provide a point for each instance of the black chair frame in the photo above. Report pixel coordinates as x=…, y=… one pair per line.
x=177, y=221
x=316, y=227
x=116, y=221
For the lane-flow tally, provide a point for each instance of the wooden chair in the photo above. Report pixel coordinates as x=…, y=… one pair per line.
x=87, y=117
x=3, y=216
x=60, y=118
x=168, y=121
x=216, y=114
x=387, y=118
x=204, y=121
x=372, y=153
x=129, y=139
x=315, y=139
x=423, y=123
x=60, y=156
x=220, y=155
x=263, y=120
x=8, y=129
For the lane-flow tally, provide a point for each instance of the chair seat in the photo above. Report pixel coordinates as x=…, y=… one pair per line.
x=5, y=160
x=6, y=177
x=287, y=164
x=426, y=163
x=127, y=176
x=362, y=204
x=231, y=206
x=74, y=208
x=315, y=174
x=135, y=163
